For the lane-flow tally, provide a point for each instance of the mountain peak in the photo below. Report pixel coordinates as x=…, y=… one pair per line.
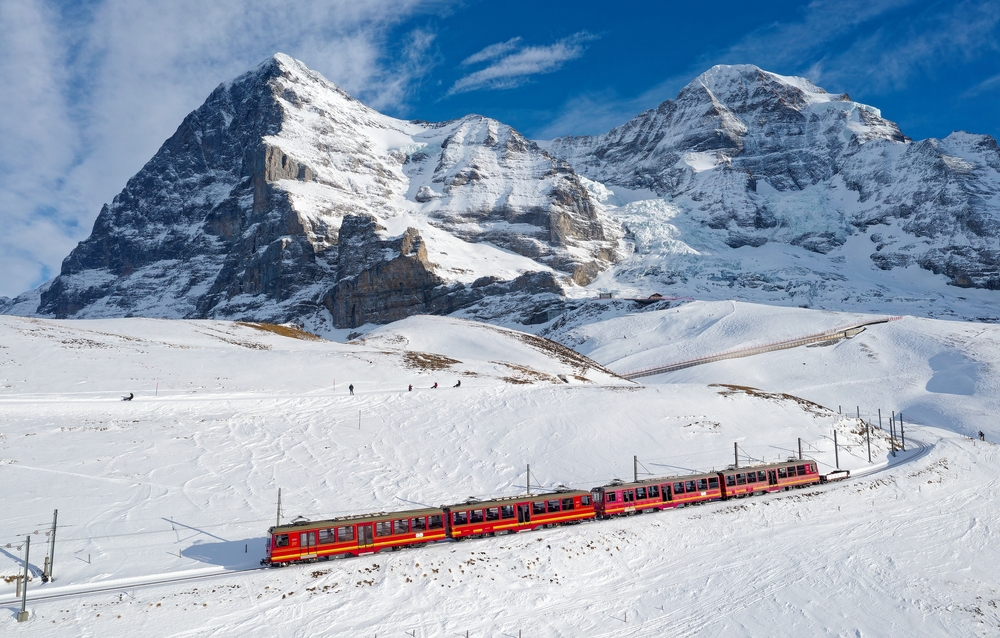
x=745, y=82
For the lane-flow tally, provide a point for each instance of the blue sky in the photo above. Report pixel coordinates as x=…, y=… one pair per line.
x=90, y=89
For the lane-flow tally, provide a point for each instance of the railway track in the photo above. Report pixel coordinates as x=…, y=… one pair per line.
x=922, y=449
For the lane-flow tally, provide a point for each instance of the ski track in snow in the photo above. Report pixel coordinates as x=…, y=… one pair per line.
x=908, y=550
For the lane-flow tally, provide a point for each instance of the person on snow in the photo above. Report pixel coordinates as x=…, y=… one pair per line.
x=982, y=437
x=351, y=388
x=132, y=396
x=410, y=388
x=435, y=385
x=458, y=385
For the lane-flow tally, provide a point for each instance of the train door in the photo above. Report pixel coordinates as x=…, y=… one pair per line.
x=366, y=540
x=668, y=492
x=307, y=544
x=524, y=513
x=772, y=477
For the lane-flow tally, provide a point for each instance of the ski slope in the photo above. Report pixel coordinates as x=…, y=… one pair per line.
x=182, y=481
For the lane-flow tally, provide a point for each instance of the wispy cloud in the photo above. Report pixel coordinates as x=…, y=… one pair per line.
x=514, y=66
x=89, y=91
x=988, y=85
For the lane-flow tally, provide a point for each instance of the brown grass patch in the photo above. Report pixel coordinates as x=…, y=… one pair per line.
x=427, y=361
x=729, y=390
x=285, y=331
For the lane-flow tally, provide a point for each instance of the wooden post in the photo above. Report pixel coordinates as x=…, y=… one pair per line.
x=902, y=436
x=836, y=450
x=868, y=433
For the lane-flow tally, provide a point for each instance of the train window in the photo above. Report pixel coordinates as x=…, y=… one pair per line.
x=713, y=483
x=782, y=473
x=678, y=488
x=567, y=504
x=730, y=480
x=654, y=491
x=345, y=533
x=585, y=500
x=702, y=485
x=803, y=470
x=281, y=540
x=435, y=522
x=598, y=496
x=419, y=524
x=538, y=507
x=761, y=475
x=640, y=492
x=459, y=518
x=476, y=516
x=628, y=495
x=791, y=470
x=741, y=479
x=402, y=526
x=610, y=497
x=327, y=535
x=507, y=511
x=383, y=528
x=751, y=477
x=689, y=487
x=492, y=513
x=812, y=468
x=554, y=506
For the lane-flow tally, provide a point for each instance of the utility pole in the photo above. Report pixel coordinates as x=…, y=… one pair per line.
x=277, y=522
x=635, y=469
x=736, y=452
x=52, y=545
x=836, y=450
x=23, y=614
x=800, y=448
x=529, y=479
x=880, y=418
x=892, y=435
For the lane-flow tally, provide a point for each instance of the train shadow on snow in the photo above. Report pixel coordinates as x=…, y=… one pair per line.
x=239, y=554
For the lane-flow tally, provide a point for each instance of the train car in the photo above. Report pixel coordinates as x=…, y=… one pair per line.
x=746, y=481
x=518, y=513
x=353, y=535
x=617, y=498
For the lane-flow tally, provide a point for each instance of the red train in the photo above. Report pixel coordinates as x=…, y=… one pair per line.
x=370, y=533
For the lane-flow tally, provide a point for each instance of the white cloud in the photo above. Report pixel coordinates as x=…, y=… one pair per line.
x=89, y=92
x=516, y=68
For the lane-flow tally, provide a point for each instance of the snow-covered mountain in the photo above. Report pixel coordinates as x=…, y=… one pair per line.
x=284, y=199
x=768, y=187
x=241, y=213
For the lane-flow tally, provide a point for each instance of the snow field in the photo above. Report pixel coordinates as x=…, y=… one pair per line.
x=241, y=412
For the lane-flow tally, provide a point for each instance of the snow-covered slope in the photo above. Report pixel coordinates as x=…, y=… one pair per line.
x=183, y=480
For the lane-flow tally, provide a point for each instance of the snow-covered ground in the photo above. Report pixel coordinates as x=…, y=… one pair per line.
x=183, y=480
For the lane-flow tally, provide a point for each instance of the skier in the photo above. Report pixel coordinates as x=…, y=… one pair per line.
x=351, y=388
x=435, y=385
x=410, y=389
x=132, y=396
x=458, y=385
x=982, y=437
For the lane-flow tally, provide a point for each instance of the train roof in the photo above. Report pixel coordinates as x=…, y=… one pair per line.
x=661, y=479
x=768, y=466
x=509, y=500
x=355, y=518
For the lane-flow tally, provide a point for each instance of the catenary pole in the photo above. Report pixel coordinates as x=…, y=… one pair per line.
x=868, y=433
x=902, y=436
x=52, y=542
x=800, y=448
x=635, y=469
x=277, y=522
x=528, y=481
x=736, y=453
x=23, y=615
x=836, y=450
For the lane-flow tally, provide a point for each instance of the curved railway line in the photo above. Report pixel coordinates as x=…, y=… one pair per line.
x=126, y=585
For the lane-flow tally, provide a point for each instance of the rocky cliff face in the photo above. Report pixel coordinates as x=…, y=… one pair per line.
x=239, y=214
